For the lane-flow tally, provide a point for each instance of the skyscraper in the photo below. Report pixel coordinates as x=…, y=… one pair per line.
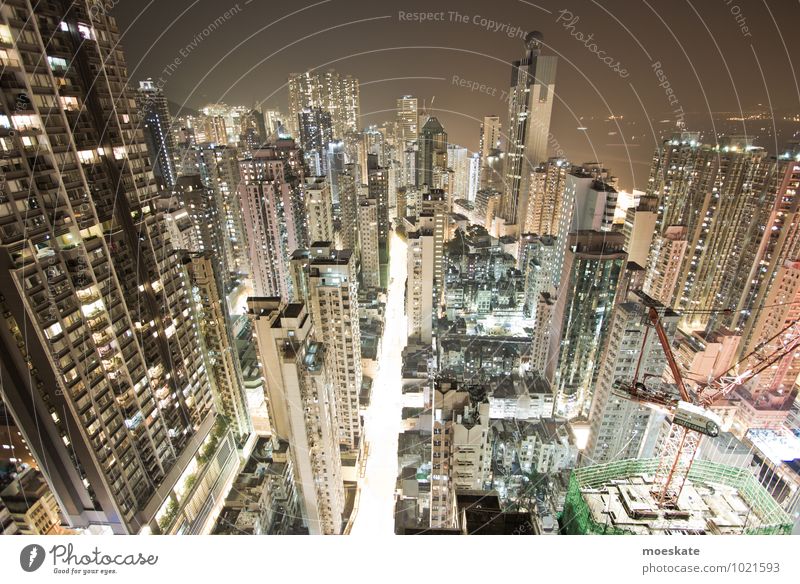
x=315, y=132
x=209, y=311
x=719, y=194
x=594, y=206
x=619, y=426
x=407, y=120
x=425, y=283
x=348, y=207
x=337, y=94
x=546, y=203
x=593, y=267
x=333, y=301
x=154, y=111
x=378, y=189
x=664, y=263
x=272, y=194
x=490, y=136
x=639, y=228
x=100, y=368
x=458, y=160
x=219, y=170
x=320, y=209
x=530, y=105
x=368, y=243
x=432, y=154
x=302, y=407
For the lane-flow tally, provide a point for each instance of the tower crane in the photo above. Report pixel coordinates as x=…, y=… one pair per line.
x=691, y=415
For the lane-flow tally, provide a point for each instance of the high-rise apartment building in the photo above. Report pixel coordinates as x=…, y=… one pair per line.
x=336, y=159
x=200, y=203
x=32, y=508
x=458, y=159
x=319, y=209
x=664, y=263
x=154, y=112
x=419, y=284
x=368, y=243
x=593, y=266
x=593, y=202
x=546, y=202
x=315, y=132
x=427, y=233
x=272, y=195
x=219, y=170
x=530, y=106
x=639, y=229
x=474, y=181
x=620, y=426
x=461, y=451
x=779, y=245
x=337, y=94
x=378, y=189
x=209, y=311
x=348, y=208
x=100, y=368
x=719, y=195
x=332, y=285
x=407, y=120
x=302, y=407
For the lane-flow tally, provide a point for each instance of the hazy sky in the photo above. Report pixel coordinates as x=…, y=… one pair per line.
x=714, y=56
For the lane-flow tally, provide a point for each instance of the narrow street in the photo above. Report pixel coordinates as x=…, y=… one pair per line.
x=375, y=512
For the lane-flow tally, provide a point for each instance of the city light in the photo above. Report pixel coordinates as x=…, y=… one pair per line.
x=382, y=423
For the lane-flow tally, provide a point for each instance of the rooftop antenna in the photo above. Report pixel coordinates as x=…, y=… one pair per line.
x=425, y=107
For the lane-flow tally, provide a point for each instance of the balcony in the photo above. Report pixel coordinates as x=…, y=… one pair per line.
x=9, y=64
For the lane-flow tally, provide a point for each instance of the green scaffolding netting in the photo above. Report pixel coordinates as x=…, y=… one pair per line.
x=577, y=518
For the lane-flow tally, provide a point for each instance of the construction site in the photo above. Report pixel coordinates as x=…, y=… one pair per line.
x=621, y=498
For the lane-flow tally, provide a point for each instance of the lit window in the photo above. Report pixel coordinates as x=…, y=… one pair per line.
x=87, y=156
x=86, y=32
x=25, y=122
x=5, y=35
x=69, y=103
x=53, y=330
x=57, y=63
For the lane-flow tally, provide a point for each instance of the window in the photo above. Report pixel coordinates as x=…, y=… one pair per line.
x=25, y=122
x=86, y=31
x=69, y=103
x=57, y=64
x=87, y=156
x=53, y=330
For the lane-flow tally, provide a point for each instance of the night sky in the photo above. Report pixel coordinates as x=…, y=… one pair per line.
x=720, y=59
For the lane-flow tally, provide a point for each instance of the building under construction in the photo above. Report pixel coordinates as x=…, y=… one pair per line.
x=617, y=499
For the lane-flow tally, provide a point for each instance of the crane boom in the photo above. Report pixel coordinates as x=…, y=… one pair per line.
x=691, y=416
x=721, y=386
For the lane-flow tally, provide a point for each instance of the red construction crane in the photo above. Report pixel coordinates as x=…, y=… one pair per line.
x=691, y=415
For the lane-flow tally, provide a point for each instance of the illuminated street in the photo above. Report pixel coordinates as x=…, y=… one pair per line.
x=375, y=512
